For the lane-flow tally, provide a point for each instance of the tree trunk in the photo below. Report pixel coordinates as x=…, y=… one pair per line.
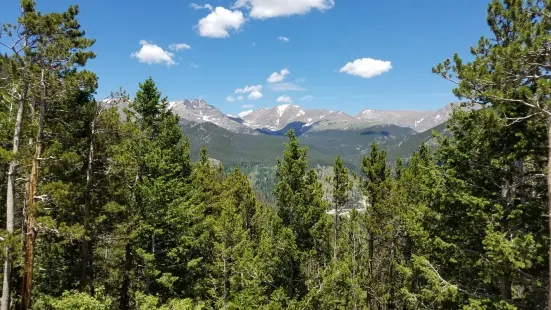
x=125, y=288
x=506, y=286
x=148, y=274
x=506, y=277
x=549, y=205
x=354, y=296
x=10, y=199
x=370, y=278
x=335, y=233
x=224, y=292
x=31, y=207
x=86, y=266
x=390, y=303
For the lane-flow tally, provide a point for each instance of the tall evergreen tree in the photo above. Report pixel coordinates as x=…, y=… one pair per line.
x=510, y=71
x=377, y=189
x=301, y=207
x=50, y=48
x=341, y=188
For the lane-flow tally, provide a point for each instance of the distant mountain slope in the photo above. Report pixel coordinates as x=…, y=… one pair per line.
x=199, y=111
x=279, y=119
x=398, y=118
x=407, y=145
x=238, y=148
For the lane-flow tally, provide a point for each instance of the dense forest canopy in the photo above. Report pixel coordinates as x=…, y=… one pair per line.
x=107, y=210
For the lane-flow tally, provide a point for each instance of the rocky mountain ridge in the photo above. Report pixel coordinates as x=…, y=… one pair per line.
x=276, y=120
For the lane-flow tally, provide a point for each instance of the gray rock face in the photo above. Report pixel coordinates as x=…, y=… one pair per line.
x=279, y=117
x=286, y=116
x=417, y=120
x=199, y=111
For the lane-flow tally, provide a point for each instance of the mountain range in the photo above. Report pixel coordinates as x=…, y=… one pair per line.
x=253, y=140
x=279, y=119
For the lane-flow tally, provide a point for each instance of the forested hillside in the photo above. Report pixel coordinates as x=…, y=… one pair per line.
x=110, y=210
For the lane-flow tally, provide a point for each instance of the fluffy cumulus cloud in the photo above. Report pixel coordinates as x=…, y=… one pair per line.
x=255, y=92
x=255, y=95
x=248, y=89
x=284, y=99
x=230, y=99
x=367, y=67
x=262, y=9
x=179, y=46
x=219, y=23
x=153, y=54
x=283, y=39
x=277, y=77
x=239, y=98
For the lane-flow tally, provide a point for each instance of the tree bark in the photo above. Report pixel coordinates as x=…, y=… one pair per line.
x=125, y=288
x=549, y=206
x=335, y=233
x=354, y=266
x=86, y=268
x=10, y=199
x=31, y=207
x=506, y=277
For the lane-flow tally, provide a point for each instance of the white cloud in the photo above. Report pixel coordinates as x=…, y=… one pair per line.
x=278, y=77
x=194, y=65
x=199, y=7
x=248, y=89
x=247, y=106
x=307, y=97
x=239, y=98
x=284, y=99
x=301, y=80
x=230, y=99
x=366, y=67
x=255, y=92
x=255, y=95
x=286, y=87
x=153, y=54
x=219, y=22
x=179, y=46
x=283, y=39
x=263, y=9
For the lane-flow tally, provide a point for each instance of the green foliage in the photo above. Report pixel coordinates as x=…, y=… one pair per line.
x=125, y=219
x=81, y=301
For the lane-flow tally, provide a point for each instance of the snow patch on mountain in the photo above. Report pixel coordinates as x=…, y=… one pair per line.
x=245, y=113
x=279, y=117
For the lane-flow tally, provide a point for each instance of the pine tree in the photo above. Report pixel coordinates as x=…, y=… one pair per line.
x=515, y=60
x=490, y=166
x=377, y=189
x=154, y=158
x=301, y=207
x=53, y=47
x=341, y=188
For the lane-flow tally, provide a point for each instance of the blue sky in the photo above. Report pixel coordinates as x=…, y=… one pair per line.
x=385, y=49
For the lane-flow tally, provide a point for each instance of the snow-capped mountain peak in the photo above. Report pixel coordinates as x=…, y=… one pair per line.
x=292, y=116
x=245, y=113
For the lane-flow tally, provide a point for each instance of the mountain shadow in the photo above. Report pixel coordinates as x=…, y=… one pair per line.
x=299, y=128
